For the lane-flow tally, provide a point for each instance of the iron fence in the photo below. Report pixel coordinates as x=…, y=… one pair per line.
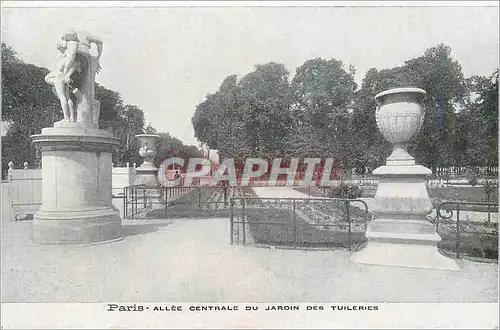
x=135, y=200
x=468, y=228
x=178, y=201
x=139, y=200
x=298, y=222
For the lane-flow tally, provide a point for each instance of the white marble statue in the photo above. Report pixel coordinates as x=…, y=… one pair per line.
x=73, y=77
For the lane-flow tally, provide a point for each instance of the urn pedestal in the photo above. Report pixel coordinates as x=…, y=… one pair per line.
x=76, y=186
x=147, y=173
x=400, y=233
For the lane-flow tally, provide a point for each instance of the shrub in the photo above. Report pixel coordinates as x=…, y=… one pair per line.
x=323, y=188
x=345, y=191
x=446, y=176
x=490, y=186
x=472, y=177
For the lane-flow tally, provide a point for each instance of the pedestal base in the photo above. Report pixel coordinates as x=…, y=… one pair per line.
x=401, y=235
x=147, y=176
x=76, y=186
x=76, y=226
x=404, y=255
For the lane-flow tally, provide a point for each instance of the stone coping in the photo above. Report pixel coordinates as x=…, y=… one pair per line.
x=402, y=170
x=75, y=135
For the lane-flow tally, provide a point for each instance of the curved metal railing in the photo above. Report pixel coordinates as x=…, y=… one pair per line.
x=453, y=212
x=240, y=223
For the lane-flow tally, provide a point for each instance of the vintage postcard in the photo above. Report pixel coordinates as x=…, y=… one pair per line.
x=249, y=164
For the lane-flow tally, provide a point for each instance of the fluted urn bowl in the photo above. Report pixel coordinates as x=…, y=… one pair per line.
x=400, y=113
x=148, y=140
x=146, y=153
x=147, y=149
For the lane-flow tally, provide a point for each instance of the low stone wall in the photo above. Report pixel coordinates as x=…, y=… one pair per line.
x=5, y=200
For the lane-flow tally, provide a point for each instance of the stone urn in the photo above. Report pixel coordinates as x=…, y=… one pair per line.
x=399, y=116
x=147, y=173
x=147, y=148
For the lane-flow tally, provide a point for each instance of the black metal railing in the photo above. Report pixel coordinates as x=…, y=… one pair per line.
x=179, y=201
x=135, y=200
x=469, y=228
x=198, y=201
x=298, y=222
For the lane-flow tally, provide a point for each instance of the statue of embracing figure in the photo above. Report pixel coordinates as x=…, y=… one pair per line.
x=73, y=77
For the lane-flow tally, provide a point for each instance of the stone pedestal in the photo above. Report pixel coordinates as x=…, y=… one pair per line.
x=147, y=176
x=401, y=234
x=76, y=186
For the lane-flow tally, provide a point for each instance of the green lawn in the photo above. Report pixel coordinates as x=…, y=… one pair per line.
x=466, y=194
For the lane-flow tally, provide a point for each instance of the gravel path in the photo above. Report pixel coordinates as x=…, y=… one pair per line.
x=192, y=261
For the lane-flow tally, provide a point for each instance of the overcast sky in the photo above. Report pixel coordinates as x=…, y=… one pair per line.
x=166, y=60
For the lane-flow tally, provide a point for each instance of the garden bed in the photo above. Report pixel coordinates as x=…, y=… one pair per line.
x=279, y=227
x=315, y=223
x=476, y=239
x=324, y=224
x=332, y=215
x=464, y=194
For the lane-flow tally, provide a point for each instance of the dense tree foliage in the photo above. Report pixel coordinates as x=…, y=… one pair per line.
x=323, y=113
x=247, y=118
x=28, y=105
x=322, y=93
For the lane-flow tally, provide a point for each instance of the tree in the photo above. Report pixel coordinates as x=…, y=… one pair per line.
x=28, y=105
x=217, y=121
x=111, y=107
x=264, y=109
x=481, y=117
x=369, y=147
x=126, y=127
x=246, y=118
x=150, y=129
x=169, y=146
x=322, y=94
x=473, y=149
x=489, y=118
x=441, y=77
